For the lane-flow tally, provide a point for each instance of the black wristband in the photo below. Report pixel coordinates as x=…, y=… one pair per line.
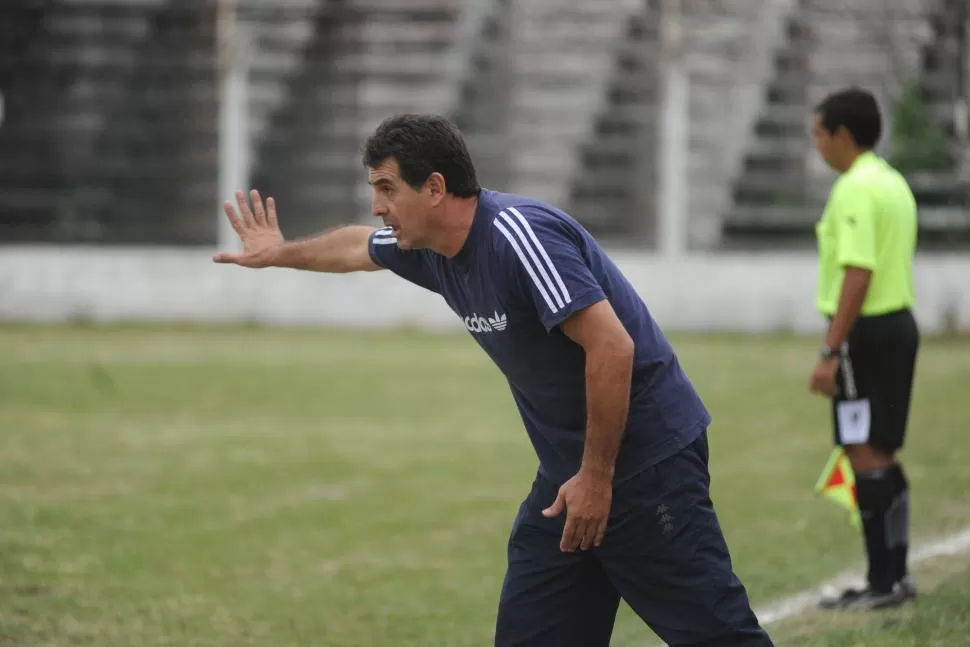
x=828, y=353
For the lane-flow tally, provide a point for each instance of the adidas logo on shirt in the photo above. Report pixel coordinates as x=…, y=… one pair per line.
x=495, y=323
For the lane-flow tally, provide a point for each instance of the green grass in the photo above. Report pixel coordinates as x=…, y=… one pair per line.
x=941, y=618
x=223, y=486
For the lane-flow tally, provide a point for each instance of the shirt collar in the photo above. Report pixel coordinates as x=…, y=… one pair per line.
x=478, y=229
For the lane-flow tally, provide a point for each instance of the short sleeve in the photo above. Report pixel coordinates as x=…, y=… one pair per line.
x=854, y=215
x=415, y=266
x=547, y=260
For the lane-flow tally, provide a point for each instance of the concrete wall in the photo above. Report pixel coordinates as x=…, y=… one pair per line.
x=711, y=292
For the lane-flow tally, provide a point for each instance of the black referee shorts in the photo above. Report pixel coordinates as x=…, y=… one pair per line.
x=875, y=381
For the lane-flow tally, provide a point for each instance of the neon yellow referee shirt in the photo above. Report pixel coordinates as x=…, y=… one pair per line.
x=869, y=222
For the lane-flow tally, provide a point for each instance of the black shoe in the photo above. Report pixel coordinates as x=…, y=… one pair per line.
x=907, y=589
x=865, y=599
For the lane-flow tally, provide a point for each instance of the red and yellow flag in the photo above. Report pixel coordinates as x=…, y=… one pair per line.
x=837, y=483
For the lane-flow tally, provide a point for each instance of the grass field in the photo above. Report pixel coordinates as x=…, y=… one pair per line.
x=942, y=618
x=232, y=487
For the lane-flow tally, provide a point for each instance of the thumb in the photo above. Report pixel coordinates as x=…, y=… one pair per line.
x=557, y=506
x=227, y=257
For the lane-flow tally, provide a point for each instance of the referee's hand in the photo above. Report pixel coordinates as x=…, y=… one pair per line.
x=823, y=377
x=586, y=499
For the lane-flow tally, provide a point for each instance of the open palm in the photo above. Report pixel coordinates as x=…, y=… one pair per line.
x=257, y=228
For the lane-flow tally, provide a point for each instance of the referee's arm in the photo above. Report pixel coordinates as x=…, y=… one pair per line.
x=855, y=285
x=856, y=254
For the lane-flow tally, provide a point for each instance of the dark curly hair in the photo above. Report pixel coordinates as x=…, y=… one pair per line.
x=422, y=145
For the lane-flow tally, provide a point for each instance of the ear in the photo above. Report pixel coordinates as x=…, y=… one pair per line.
x=844, y=135
x=436, y=188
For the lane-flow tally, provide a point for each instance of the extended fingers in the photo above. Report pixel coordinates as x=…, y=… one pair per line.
x=247, y=215
x=271, y=212
x=258, y=210
x=228, y=257
x=237, y=224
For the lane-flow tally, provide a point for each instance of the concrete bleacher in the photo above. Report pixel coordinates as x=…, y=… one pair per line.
x=481, y=97
x=614, y=185
x=832, y=44
x=524, y=80
x=110, y=134
x=726, y=48
x=555, y=100
x=945, y=195
x=553, y=94
x=361, y=62
x=270, y=37
x=558, y=99
x=563, y=54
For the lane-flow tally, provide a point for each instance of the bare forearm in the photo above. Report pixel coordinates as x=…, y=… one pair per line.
x=854, y=289
x=339, y=250
x=609, y=370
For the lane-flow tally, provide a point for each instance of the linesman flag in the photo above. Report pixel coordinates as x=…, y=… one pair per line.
x=837, y=483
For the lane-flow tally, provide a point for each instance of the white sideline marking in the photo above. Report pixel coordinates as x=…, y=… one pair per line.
x=785, y=608
x=794, y=605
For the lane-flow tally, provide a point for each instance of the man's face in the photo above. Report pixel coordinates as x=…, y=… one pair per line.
x=828, y=145
x=406, y=211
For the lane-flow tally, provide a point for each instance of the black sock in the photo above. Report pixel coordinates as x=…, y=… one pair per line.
x=876, y=492
x=898, y=522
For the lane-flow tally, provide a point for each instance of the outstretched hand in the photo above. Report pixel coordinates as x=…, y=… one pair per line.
x=257, y=228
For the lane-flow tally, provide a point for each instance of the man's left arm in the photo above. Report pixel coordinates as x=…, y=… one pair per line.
x=609, y=370
x=856, y=254
x=552, y=272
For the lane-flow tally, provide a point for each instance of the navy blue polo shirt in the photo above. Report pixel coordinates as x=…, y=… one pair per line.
x=524, y=269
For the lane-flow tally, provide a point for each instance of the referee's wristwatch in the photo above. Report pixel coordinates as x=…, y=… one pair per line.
x=828, y=352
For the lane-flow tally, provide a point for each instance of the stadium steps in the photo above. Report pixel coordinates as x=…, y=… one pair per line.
x=306, y=156
x=404, y=67
x=20, y=24
x=27, y=143
x=363, y=61
x=562, y=53
x=612, y=188
x=71, y=72
x=725, y=47
x=116, y=147
x=482, y=97
x=163, y=129
x=947, y=190
x=783, y=185
x=275, y=34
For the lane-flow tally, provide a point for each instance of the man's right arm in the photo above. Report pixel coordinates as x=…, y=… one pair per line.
x=341, y=250
x=351, y=248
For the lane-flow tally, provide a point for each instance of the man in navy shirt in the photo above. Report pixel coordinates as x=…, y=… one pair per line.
x=620, y=506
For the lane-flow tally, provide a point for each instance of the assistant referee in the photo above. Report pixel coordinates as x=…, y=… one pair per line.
x=866, y=243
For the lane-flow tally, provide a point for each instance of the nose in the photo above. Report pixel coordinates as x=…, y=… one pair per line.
x=378, y=208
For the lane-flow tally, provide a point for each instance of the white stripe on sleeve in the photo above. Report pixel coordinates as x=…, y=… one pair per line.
x=525, y=263
x=535, y=259
x=542, y=251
